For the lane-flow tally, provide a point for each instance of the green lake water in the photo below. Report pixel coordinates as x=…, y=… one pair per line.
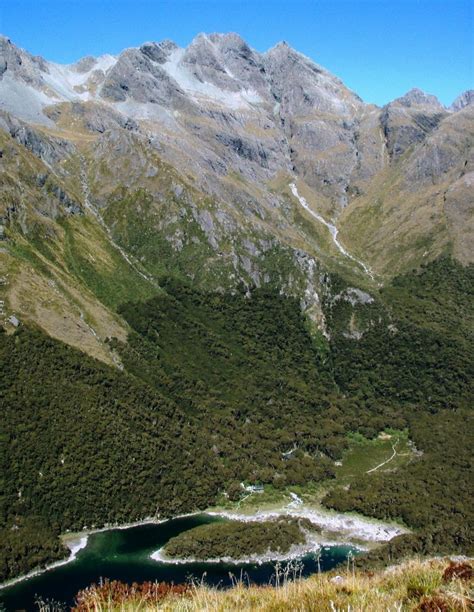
x=124, y=554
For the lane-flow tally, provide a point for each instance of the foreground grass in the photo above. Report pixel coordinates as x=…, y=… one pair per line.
x=430, y=585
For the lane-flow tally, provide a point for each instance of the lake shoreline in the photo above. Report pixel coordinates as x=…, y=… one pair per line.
x=312, y=546
x=339, y=529
x=76, y=541
x=79, y=544
x=349, y=526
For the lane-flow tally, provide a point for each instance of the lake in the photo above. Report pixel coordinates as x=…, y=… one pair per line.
x=124, y=554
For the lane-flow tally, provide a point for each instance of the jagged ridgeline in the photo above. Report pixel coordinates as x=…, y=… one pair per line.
x=217, y=386
x=163, y=160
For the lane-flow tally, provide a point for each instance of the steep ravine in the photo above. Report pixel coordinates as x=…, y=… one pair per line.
x=332, y=229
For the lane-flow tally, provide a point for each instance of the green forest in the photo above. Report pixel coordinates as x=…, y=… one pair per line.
x=238, y=540
x=417, y=353
x=217, y=387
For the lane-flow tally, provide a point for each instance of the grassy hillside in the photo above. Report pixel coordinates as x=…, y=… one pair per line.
x=83, y=232
x=427, y=586
x=417, y=207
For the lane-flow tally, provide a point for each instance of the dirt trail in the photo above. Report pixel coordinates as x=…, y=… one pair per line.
x=385, y=462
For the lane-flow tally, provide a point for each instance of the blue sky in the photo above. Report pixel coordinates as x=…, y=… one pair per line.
x=379, y=48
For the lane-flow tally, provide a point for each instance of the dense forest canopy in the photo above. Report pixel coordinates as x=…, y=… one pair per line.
x=218, y=386
x=239, y=540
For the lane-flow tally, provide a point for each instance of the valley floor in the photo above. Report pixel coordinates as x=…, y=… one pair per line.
x=303, y=502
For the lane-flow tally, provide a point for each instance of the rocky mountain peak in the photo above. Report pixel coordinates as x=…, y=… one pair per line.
x=18, y=62
x=409, y=119
x=85, y=64
x=229, y=39
x=139, y=76
x=220, y=48
x=304, y=86
x=234, y=49
x=417, y=97
x=282, y=48
x=158, y=52
x=463, y=100
x=215, y=64
x=285, y=55
x=218, y=105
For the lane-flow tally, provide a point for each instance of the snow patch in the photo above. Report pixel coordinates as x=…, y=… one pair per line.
x=199, y=89
x=105, y=62
x=23, y=101
x=62, y=80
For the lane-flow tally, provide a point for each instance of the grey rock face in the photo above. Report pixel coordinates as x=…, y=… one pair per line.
x=137, y=77
x=85, y=64
x=303, y=87
x=448, y=149
x=245, y=149
x=50, y=150
x=243, y=63
x=158, y=52
x=227, y=108
x=203, y=61
x=58, y=195
x=416, y=97
x=407, y=120
x=322, y=121
x=463, y=100
x=225, y=61
x=21, y=64
x=232, y=120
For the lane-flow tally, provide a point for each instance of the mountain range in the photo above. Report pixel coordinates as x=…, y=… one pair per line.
x=221, y=266
x=166, y=159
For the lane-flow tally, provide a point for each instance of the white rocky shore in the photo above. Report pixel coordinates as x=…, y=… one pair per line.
x=347, y=527
x=74, y=546
x=312, y=545
x=336, y=530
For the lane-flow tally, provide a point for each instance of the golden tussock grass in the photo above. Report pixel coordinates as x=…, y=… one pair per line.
x=427, y=586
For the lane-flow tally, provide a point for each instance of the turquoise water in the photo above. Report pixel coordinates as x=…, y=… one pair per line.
x=124, y=554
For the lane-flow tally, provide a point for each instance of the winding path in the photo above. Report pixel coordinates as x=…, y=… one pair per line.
x=332, y=229
x=385, y=462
